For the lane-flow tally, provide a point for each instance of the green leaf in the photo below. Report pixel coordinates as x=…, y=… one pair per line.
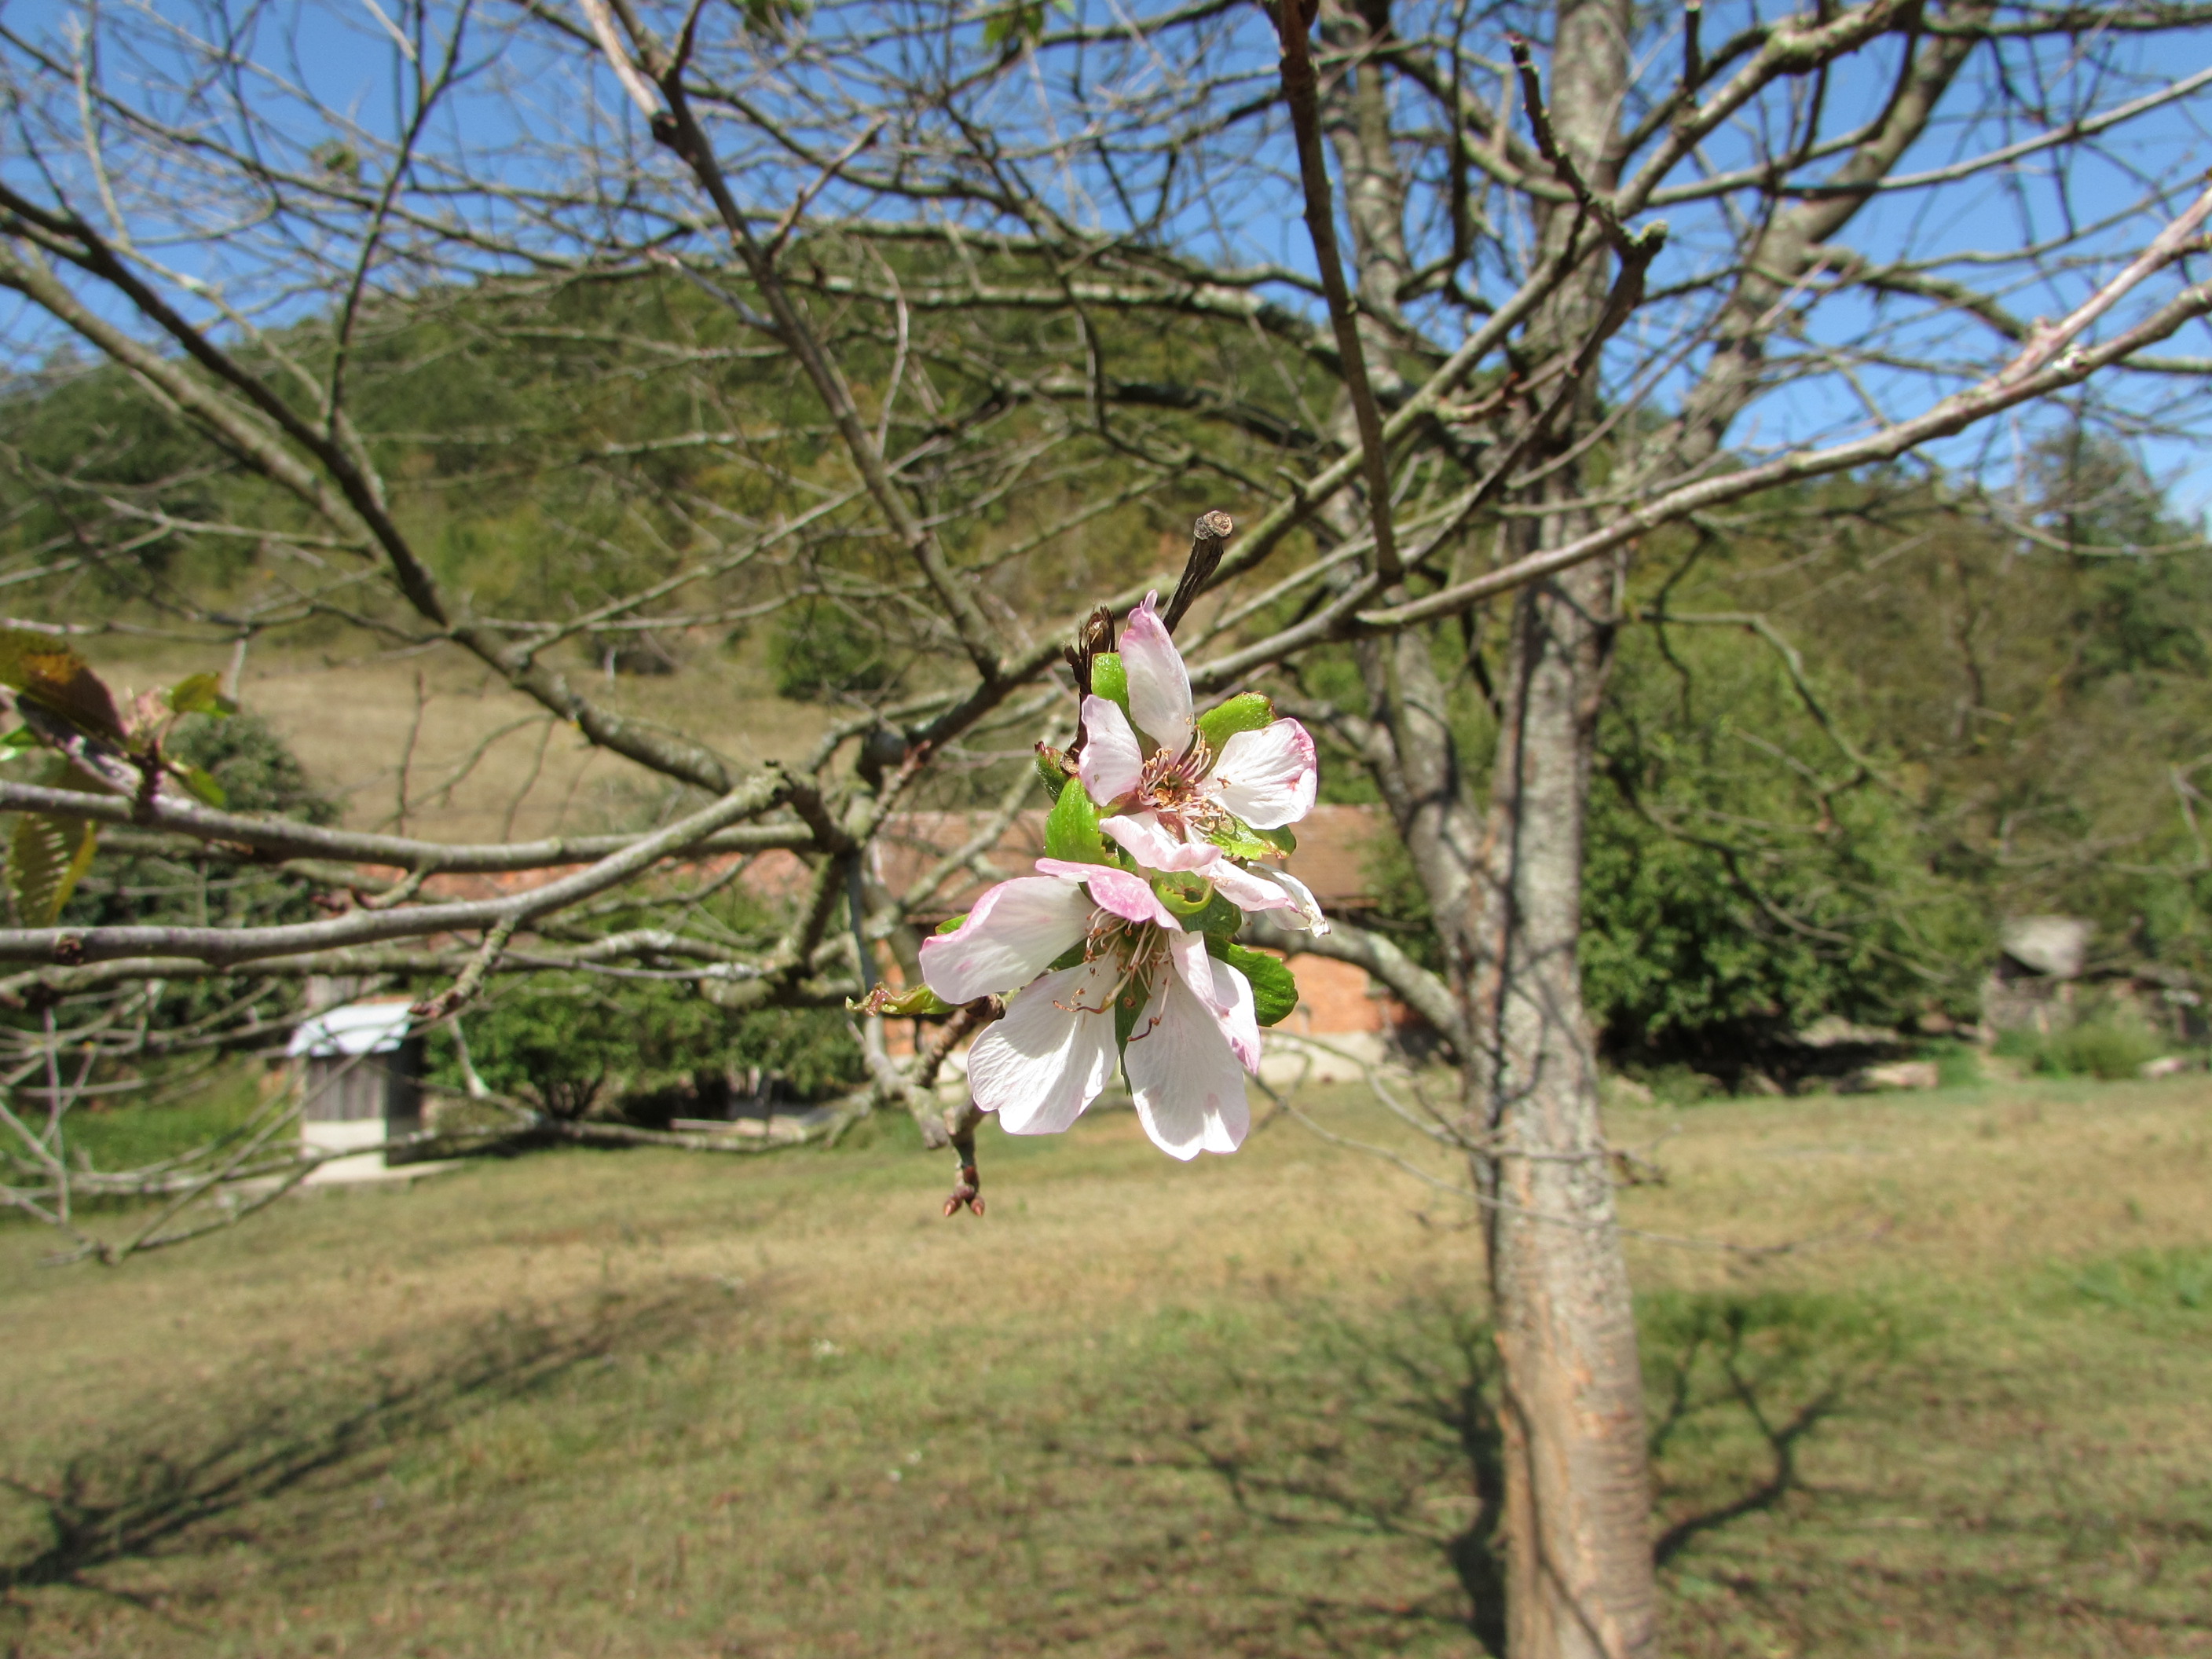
x=953, y=924
x=1023, y=20
x=1248, y=711
x=1281, y=839
x=1274, y=991
x=1071, y=829
x=773, y=17
x=201, y=694
x=1070, y=957
x=201, y=782
x=49, y=853
x=52, y=675
x=1219, y=920
x=15, y=742
x=1053, y=770
x=1239, y=840
x=1110, y=680
x=913, y=1004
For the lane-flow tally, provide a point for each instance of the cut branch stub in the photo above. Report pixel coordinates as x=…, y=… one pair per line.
x=1208, y=537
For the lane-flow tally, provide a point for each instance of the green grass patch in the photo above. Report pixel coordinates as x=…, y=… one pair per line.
x=641, y=1404
x=2148, y=1282
x=128, y=1136
x=2107, y=1048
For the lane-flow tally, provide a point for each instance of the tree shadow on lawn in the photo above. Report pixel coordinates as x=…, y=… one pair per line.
x=1383, y=1428
x=1735, y=1381
x=2023, y=1558
x=197, y=1476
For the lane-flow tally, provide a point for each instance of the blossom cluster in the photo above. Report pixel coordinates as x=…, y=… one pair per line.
x=1120, y=949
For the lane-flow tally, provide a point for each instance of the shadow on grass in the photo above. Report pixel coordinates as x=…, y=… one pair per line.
x=197, y=1477
x=1385, y=1426
x=1376, y=1428
x=1740, y=1380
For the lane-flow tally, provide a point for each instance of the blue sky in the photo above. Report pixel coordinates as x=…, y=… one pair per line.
x=336, y=71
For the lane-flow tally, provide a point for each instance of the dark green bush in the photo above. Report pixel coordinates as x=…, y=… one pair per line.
x=2106, y=1047
x=572, y=1045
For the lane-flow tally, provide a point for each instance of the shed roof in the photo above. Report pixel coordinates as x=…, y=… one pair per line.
x=357, y=1028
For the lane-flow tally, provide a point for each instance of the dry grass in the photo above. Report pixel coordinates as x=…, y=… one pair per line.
x=644, y=1404
x=480, y=761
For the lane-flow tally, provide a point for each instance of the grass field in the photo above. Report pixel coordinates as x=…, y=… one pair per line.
x=473, y=759
x=642, y=1404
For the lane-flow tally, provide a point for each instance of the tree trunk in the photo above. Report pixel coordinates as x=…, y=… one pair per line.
x=1579, y=1577
x=1506, y=889
x=1579, y=1583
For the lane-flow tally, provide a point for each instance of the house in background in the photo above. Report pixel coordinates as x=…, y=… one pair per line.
x=944, y=860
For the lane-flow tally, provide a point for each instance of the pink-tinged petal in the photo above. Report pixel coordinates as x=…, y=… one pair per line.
x=1248, y=890
x=1267, y=777
x=1308, y=907
x=1226, y=993
x=1159, y=690
x=1113, y=762
x=1189, y=1085
x=1129, y=897
x=1049, y=1058
x=1011, y=935
x=1126, y=894
x=1146, y=839
x=1066, y=869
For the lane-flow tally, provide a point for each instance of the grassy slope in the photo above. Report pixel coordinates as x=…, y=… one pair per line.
x=643, y=1405
x=483, y=763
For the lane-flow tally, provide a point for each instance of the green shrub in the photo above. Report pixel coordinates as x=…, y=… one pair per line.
x=257, y=772
x=2103, y=1048
x=212, y=888
x=575, y=1044
x=128, y=1135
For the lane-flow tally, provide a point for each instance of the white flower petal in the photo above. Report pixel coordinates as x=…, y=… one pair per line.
x=1146, y=840
x=1308, y=907
x=1267, y=777
x=1049, y=1058
x=1226, y=993
x=1014, y=931
x=1248, y=890
x=1113, y=761
x=1159, y=690
x=1189, y=1085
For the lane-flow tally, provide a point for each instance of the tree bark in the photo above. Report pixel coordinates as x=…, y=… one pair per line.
x=1578, y=1501
x=1577, y=1493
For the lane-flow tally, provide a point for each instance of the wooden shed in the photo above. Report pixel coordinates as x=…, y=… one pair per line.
x=360, y=1075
